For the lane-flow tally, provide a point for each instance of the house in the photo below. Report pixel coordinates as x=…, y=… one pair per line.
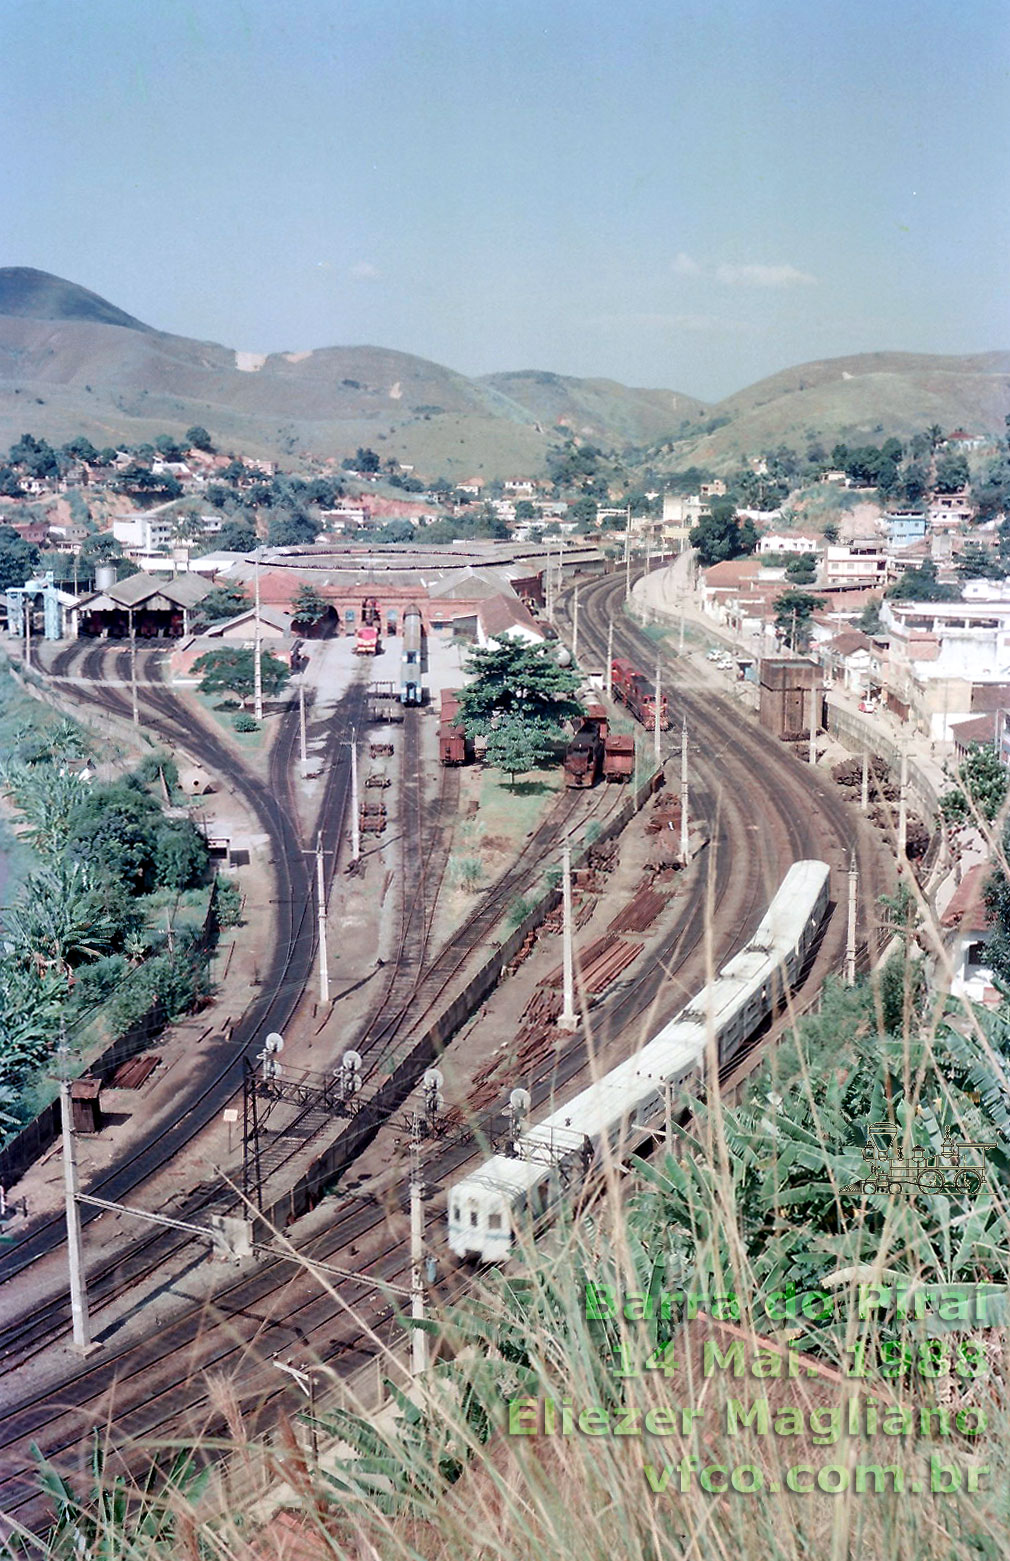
x=905, y=527
x=978, y=729
x=862, y=562
x=681, y=513
x=788, y=542
x=274, y=624
x=967, y=923
x=140, y=533
x=504, y=615
x=846, y=658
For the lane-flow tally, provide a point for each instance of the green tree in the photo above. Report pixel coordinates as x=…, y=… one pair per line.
x=922, y=585
x=802, y=569
x=63, y=917
x=997, y=899
x=231, y=671
x=584, y=510
x=224, y=601
x=978, y=563
x=721, y=534
x=197, y=438
x=983, y=785
x=292, y=530
x=366, y=460
x=869, y=618
x=527, y=511
x=100, y=548
x=309, y=606
x=951, y=474
x=19, y=559
x=394, y=531
x=518, y=684
x=793, y=612
x=235, y=536
x=517, y=745
x=831, y=533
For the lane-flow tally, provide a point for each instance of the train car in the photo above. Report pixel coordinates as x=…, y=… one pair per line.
x=367, y=642
x=632, y=688
x=618, y=757
x=411, y=688
x=509, y=1192
x=584, y=757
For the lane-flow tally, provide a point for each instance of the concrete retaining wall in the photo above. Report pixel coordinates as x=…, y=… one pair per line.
x=861, y=735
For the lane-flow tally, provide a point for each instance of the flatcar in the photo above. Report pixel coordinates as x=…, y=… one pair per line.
x=411, y=690
x=487, y=1209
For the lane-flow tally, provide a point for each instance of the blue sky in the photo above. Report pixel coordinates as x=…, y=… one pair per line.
x=689, y=194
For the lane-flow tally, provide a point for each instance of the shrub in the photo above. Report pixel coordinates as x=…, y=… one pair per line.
x=244, y=722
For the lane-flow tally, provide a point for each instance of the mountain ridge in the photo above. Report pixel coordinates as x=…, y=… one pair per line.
x=71, y=362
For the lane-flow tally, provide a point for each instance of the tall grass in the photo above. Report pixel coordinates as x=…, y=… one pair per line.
x=747, y=1199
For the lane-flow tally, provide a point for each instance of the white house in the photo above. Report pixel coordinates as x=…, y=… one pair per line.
x=967, y=924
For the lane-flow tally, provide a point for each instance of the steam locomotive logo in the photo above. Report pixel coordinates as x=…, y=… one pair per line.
x=957, y=1169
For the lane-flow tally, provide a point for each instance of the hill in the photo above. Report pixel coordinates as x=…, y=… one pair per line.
x=72, y=363
x=856, y=400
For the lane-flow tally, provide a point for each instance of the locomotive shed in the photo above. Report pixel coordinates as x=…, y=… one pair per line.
x=159, y=1375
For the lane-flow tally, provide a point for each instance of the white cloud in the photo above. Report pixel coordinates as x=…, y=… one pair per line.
x=763, y=276
x=685, y=265
x=364, y=271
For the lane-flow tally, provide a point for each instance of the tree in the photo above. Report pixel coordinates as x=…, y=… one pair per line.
x=393, y=531
x=951, y=474
x=997, y=899
x=366, y=460
x=197, y=438
x=232, y=671
x=235, y=536
x=224, y=601
x=18, y=559
x=831, y=533
x=292, y=531
x=309, y=606
x=793, y=612
x=983, y=786
x=922, y=585
x=721, y=534
x=519, y=684
x=583, y=511
x=80, y=449
x=517, y=745
x=869, y=618
x=978, y=563
x=527, y=511
x=802, y=569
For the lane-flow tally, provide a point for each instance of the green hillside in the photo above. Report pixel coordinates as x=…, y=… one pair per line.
x=72, y=363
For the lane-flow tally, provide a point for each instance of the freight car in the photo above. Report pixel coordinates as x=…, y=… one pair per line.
x=509, y=1193
x=632, y=688
x=453, y=744
x=411, y=689
x=618, y=757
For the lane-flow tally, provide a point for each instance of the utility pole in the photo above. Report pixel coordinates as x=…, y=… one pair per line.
x=903, y=806
x=26, y=608
x=683, y=794
x=864, y=794
x=627, y=556
x=569, y=1019
x=850, y=938
x=303, y=746
x=575, y=625
x=78, y=1289
x=355, y=817
x=610, y=659
x=258, y=652
x=680, y=646
x=813, y=724
x=655, y=719
x=418, y=1337
x=324, y=969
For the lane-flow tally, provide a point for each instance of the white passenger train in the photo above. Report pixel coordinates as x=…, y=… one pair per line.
x=487, y=1207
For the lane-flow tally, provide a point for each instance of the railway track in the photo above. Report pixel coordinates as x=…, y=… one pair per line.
x=258, y=1306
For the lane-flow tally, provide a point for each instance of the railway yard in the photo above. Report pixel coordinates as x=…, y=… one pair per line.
x=421, y=971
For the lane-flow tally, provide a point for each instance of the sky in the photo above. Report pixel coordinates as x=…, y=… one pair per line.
x=682, y=194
